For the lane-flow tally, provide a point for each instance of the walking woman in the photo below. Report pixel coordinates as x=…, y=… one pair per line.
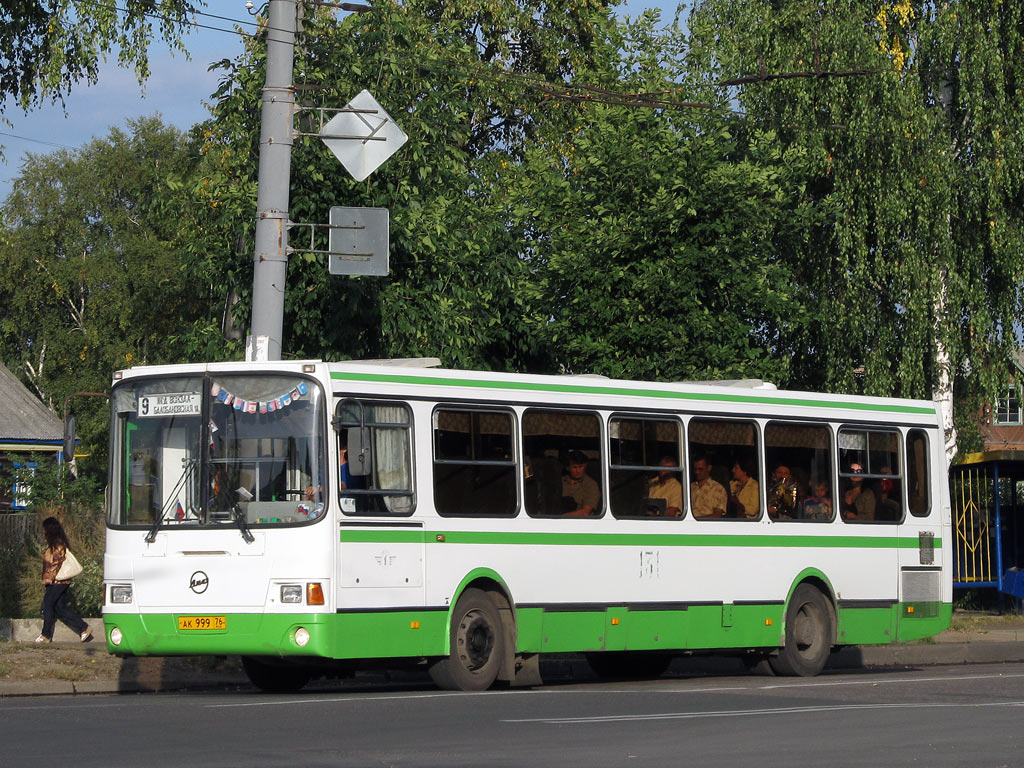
x=55, y=597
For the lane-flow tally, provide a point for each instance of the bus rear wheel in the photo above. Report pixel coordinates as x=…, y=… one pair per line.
x=275, y=678
x=809, y=634
x=477, y=645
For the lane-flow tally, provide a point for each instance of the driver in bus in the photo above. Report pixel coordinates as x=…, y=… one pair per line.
x=580, y=492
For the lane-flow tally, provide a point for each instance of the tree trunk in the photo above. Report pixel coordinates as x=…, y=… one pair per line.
x=942, y=392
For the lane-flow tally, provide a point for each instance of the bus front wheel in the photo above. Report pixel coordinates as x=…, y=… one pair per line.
x=809, y=634
x=477, y=645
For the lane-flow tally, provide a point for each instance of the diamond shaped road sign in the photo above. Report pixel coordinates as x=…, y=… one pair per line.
x=363, y=136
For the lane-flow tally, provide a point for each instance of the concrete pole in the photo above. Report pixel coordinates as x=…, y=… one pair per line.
x=270, y=262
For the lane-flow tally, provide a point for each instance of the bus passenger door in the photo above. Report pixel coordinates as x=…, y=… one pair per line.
x=380, y=563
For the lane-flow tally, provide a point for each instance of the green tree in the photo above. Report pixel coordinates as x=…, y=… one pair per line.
x=657, y=238
x=48, y=47
x=449, y=74
x=90, y=277
x=920, y=280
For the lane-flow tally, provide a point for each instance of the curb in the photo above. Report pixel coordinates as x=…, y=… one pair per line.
x=925, y=654
x=27, y=630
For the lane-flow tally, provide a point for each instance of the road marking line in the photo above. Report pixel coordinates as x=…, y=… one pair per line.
x=751, y=712
x=583, y=688
x=884, y=681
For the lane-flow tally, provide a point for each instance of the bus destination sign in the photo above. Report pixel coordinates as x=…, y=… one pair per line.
x=171, y=404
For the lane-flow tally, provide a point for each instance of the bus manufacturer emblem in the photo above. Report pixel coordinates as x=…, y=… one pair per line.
x=198, y=582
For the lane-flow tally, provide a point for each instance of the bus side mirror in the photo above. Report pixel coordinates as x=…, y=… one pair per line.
x=359, y=451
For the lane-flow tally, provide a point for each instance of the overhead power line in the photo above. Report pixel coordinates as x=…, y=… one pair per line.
x=36, y=141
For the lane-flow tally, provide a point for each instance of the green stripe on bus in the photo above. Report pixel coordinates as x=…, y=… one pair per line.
x=724, y=397
x=415, y=633
x=629, y=539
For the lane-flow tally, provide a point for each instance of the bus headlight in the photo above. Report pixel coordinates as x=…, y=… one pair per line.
x=301, y=637
x=291, y=593
x=120, y=593
x=115, y=636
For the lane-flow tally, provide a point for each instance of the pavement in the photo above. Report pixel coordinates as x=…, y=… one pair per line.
x=974, y=638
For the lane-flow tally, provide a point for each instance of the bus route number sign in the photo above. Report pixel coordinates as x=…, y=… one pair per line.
x=170, y=404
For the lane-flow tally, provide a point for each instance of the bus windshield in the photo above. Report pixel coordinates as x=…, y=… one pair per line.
x=217, y=450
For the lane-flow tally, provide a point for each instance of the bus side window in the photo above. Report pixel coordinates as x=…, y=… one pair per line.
x=870, y=475
x=388, y=489
x=724, y=475
x=474, y=464
x=917, y=473
x=799, y=458
x=565, y=456
x=646, y=475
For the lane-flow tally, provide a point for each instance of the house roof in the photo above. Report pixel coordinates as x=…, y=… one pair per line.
x=1017, y=357
x=22, y=415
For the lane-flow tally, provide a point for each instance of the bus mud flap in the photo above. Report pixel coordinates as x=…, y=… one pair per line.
x=527, y=672
x=519, y=670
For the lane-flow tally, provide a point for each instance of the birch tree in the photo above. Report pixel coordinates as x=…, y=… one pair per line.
x=913, y=111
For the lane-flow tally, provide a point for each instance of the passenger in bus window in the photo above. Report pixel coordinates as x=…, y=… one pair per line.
x=888, y=506
x=858, y=501
x=782, y=496
x=346, y=476
x=817, y=506
x=707, y=496
x=745, y=494
x=581, y=496
x=666, y=486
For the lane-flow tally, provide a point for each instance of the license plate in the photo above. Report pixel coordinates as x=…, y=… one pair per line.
x=202, y=622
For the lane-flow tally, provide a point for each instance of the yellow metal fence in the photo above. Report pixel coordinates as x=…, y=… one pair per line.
x=973, y=499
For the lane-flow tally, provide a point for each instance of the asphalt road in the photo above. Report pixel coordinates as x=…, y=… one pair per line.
x=940, y=716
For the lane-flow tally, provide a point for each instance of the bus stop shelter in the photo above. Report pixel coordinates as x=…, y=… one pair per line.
x=987, y=494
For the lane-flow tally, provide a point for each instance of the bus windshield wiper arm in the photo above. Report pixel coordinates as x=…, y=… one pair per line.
x=242, y=526
x=186, y=477
x=158, y=518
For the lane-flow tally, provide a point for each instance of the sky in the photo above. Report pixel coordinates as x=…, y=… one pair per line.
x=177, y=89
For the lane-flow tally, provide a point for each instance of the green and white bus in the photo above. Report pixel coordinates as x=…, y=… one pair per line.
x=318, y=517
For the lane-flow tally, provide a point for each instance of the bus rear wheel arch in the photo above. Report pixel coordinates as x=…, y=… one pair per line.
x=810, y=634
x=477, y=644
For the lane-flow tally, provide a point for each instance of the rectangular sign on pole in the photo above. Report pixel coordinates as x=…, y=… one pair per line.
x=359, y=241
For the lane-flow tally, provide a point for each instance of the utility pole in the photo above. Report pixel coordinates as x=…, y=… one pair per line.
x=270, y=261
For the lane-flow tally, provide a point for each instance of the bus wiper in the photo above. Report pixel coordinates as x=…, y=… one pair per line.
x=242, y=525
x=157, y=520
x=186, y=477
